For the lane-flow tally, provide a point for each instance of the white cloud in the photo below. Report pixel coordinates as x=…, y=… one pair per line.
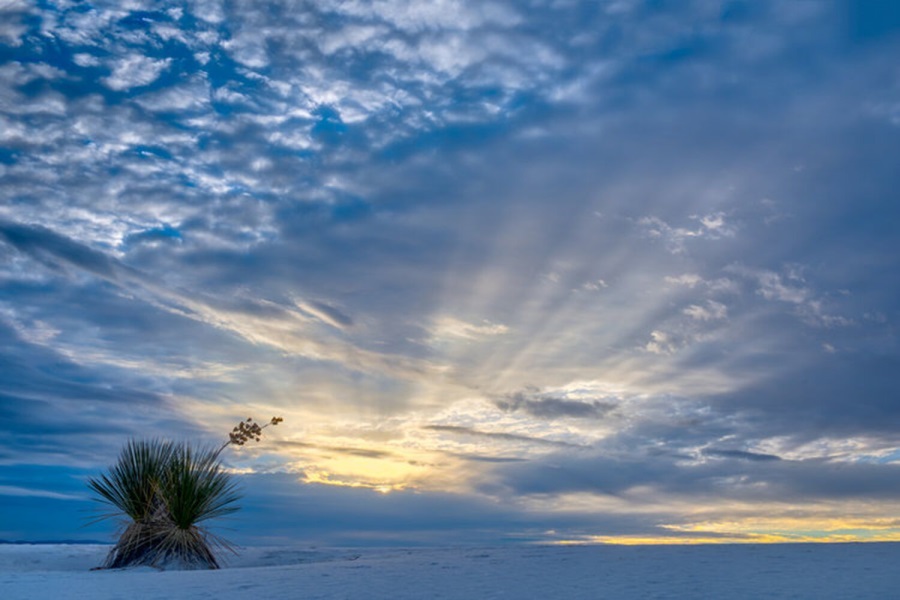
x=168, y=31
x=715, y=222
x=723, y=285
x=673, y=237
x=352, y=37
x=791, y=288
x=11, y=130
x=712, y=226
x=32, y=331
x=594, y=286
x=190, y=96
x=83, y=59
x=135, y=70
x=692, y=280
x=773, y=287
x=85, y=28
x=45, y=71
x=711, y=311
x=210, y=11
x=450, y=327
x=14, y=490
x=322, y=312
x=249, y=49
x=11, y=29
x=413, y=16
x=688, y=280
x=660, y=343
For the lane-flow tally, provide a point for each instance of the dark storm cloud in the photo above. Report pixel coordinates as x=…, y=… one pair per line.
x=51, y=247
x=50, y=405
x=359, y=516
x=740, y=476
x=486, y=459
x=538, y=405
x=363, y=452
x=739, y=454
x=840, y=395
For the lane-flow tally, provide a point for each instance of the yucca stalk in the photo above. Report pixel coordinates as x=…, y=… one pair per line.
x=168, y=490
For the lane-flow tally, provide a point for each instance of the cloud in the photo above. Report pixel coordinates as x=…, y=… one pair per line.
x=258, y=322
x=687, y=279
x=712, y=311
x=135, y=70
x=660, y=342
x=64, y=402
x=445, y=14
x=735, y=476
x=12, y=26
x=364, y=452
x=450, y=327
x=402, y=518
x=791, y=288
x=712, y=227
x=10, y=490
x=54, y=249
x=325, y=313
x=453, y=243
x=739, y=454
x=501, y=436
x=546, y=406
x=772, y=287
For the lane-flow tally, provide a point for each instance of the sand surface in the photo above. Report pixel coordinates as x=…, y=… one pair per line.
x=546, y=572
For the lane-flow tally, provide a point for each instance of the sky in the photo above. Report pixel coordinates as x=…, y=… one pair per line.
x=557, y=271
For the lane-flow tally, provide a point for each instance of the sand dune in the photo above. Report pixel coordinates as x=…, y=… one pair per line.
x=772, y=571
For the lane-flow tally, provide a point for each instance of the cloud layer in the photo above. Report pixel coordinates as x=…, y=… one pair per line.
x=551, y=270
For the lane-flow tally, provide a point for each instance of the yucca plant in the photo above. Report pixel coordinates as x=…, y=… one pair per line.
x=167, y=491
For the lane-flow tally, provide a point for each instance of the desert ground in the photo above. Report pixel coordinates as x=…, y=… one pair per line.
x=820, y=571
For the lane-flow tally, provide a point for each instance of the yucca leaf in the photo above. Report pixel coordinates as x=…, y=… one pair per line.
x=132, y=483
x=196, y=487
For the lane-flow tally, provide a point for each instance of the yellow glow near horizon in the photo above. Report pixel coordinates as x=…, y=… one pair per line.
x=760, y=530
x=783, y=525
x=750, y=538
x=372, y=466
x=664, y=541
x=315, y=476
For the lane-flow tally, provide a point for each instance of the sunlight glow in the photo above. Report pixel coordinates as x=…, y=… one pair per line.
x=322, y=477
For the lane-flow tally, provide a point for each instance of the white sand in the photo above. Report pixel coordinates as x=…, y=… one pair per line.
x=773, y=571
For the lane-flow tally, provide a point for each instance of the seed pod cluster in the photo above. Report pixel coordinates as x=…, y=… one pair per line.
x=249, y=430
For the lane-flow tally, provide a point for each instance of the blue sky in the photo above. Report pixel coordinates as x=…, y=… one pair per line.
x=550, y=271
